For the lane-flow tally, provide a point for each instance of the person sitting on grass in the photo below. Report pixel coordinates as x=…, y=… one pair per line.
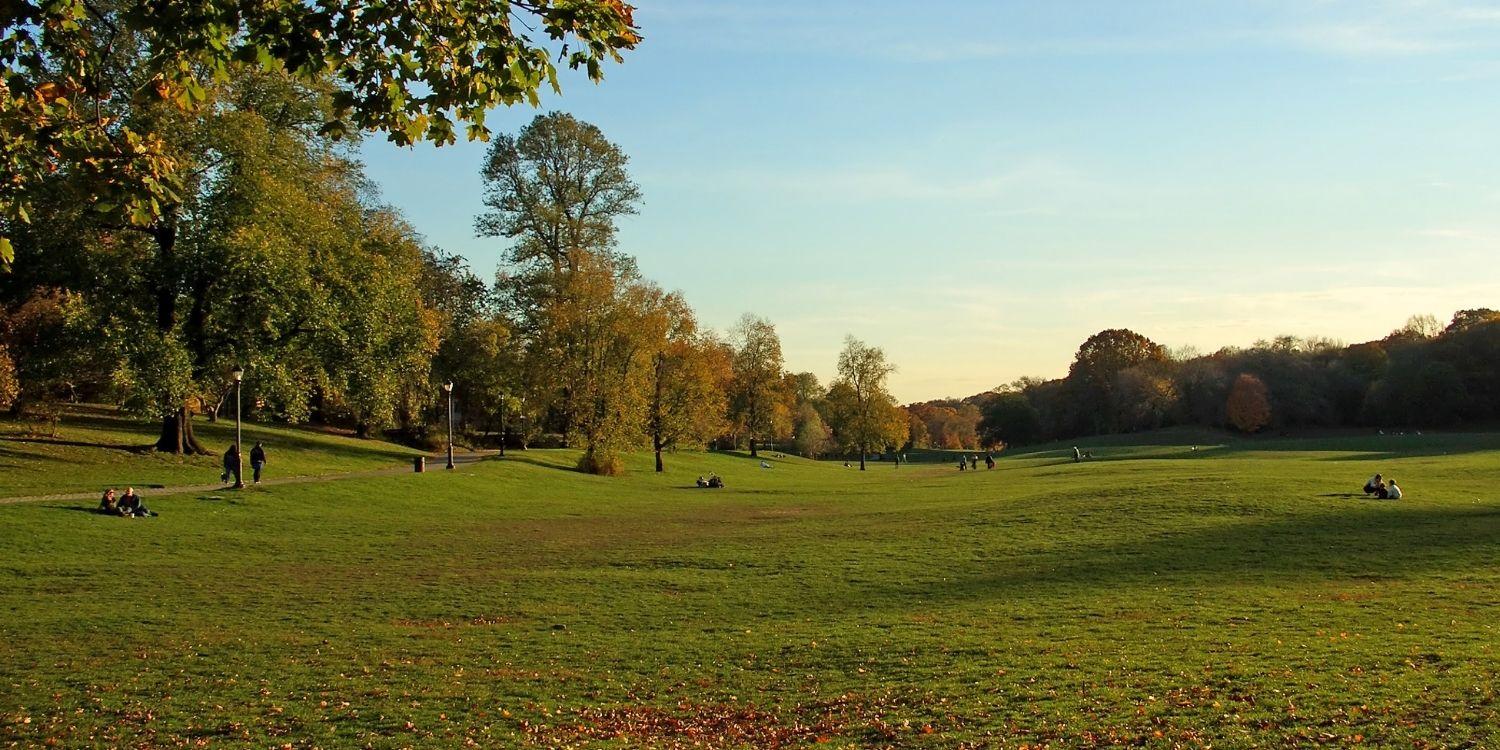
x=107, y=504
x=714, y=481
x=701, y=481
x=130, y=505
x=1392, y=492
x=1373, y=485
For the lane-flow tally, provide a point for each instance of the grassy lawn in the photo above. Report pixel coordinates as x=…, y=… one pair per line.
x=95, y=448
x=1241, y=594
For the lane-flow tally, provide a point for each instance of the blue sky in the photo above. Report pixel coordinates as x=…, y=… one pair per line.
x=977, y=189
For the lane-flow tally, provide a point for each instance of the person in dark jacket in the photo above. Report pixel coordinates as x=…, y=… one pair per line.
x=257, y=460
x=131, y=505
x=231, y=464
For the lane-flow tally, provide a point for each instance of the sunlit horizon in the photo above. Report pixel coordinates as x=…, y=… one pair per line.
x=978, y=201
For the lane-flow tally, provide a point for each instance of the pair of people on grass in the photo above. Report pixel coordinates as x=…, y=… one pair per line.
x=1384, y=489
x=232, y=462
x=128, y=505
x=713, y=481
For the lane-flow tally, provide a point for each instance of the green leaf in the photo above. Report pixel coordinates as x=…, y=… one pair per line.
x=7, y=253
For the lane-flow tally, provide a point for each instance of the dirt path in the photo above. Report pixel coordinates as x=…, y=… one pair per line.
x=434, y=463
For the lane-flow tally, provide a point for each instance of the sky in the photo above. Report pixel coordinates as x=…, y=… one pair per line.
x=979, y=185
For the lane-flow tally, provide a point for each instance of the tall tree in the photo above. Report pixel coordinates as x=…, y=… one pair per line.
x=870, y=413
x=758, y=380
x=557, y=189
x=413, y=71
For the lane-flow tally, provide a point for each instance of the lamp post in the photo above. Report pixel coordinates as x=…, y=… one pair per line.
x=239, y=457
x=448, y=389
x=502, y=427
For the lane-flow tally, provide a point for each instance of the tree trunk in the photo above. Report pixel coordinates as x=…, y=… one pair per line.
x=177, y=434
x=656, y=445
x=753, y=454
x=862, y=453
x=176, y=428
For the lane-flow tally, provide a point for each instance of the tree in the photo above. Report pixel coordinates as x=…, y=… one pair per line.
x=757, y=368
x=869, y=412
x=272, y=260
x=687, y=399
x=557, y=190
x=1249, y=404
x=10, y=385
x=1143, y=398
x=1010, y=419
x=1100, y=360
x=1419, y=327
x=412, y=71
x=1466, y=319
x=810, y=434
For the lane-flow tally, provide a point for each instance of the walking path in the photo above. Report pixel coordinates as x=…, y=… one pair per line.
x=434, y=463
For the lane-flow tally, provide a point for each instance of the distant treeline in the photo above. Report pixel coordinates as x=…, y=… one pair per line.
x=1422, y=375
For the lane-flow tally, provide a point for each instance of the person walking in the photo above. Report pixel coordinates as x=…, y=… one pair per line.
x=231, y=464
x=257, y=460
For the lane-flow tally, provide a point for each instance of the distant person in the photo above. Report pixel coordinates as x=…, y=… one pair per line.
x=107, y=503
x=1392, y=492
x=131, y=505
x=714, y=481
x=962, y=464
x=765, y=465
x=989, y=461
x=1373, y=485
x=1077, y=454
x=974, y=462
x=702, y=482
x=257, y=460
x=231, y=464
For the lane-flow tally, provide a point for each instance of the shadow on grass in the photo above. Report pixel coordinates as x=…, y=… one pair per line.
x=1363, y=543
x=535, y=458
x=217, y=435
x=131, y=448
x=90, y=509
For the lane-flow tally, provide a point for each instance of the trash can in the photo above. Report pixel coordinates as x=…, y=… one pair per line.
x=419, y=464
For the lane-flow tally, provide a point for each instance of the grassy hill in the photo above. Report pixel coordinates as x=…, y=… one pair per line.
x=1158, y=597
x=97, y=447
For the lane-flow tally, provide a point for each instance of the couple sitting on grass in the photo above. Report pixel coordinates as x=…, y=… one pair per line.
x=713, y=481
x=129, y=505
x=1385, y=490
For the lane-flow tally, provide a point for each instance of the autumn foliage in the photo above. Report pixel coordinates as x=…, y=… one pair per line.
x=1249, y=405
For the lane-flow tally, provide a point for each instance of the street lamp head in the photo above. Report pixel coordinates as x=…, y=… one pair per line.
x=238, y=374
x=448, y=387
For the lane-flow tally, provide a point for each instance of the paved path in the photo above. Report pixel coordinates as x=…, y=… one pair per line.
x=434, y=463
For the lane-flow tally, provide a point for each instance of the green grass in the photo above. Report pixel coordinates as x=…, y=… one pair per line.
x=1233, y=596
x=96, y=447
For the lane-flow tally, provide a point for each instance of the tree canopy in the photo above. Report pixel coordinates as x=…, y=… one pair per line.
x=412, y=71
